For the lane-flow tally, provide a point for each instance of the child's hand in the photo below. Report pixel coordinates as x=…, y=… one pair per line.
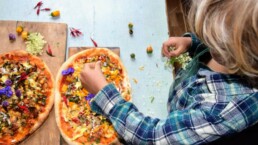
x=181, y=44
x=92, y=77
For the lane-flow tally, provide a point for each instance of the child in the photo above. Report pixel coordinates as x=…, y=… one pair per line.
x=217, y=94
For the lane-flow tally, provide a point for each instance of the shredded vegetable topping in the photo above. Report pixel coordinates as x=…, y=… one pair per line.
x=35, y=43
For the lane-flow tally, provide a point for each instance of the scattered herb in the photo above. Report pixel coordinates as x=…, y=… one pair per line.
x=12, y=37
x=152, y=99
x=132, y=55
x=130, y=25
x=75, y=32
x=75, y=99
x=149, y=49
x=94, y=42
x=141, y=68
x=49, y=51
x=131, y=31
x=35, y=43
x=97, y=140
x=135, y=81
x=55, y=13
x=182, y=59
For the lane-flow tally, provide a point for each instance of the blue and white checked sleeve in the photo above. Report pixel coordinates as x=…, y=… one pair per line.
x=188, y=126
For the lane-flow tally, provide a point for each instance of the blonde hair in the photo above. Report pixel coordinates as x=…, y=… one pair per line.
x=229, y=28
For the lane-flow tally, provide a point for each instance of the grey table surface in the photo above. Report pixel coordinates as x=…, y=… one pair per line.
x=107, y=22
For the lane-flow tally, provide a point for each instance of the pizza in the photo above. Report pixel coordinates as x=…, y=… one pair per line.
x=77, y=123
x=26, y=95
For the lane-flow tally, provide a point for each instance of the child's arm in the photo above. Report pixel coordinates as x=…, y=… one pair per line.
x=187, y=126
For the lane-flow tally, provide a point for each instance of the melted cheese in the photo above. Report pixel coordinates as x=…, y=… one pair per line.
x=79, y=132
x=26, y=65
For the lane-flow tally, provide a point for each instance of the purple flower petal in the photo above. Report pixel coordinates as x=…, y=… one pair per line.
x=69, y=71
x=12, y=37
x=89, y=97
x=5, y=103
x=8, y=82
x=18, y=93
x=9, y=91
x=6, y=91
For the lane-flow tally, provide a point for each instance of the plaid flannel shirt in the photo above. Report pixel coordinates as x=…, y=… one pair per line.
x=201, y=109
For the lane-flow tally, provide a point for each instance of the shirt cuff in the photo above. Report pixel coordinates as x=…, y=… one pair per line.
x=195, y=43
x=105, y=100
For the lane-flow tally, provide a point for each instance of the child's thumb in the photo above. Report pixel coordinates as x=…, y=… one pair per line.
x=98, y=65
x=176, y=52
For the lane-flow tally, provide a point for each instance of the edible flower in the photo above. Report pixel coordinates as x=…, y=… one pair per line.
x=24, y=35
x=5, y=103
x=12, y=37
x=19, y=29
x=69, y=71
x=75, y=32
x=46, y=9
x=89, y=97
x=18, y=93
x=7, y=91
x=94, y=42
x=55, y=13
x=8, y=82
x=49, y=51
x=39, y=4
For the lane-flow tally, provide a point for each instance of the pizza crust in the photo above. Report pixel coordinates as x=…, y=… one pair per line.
x=88, y=52
x=35, y=60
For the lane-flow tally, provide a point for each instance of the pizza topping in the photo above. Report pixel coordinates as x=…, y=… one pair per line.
x=8, y=82
x=49, y=51
x=23, y=93
x=7, y=91
x=18, y=93
x=89, y=97
x=69, y=71
x=35, y=43
x=78, y=121
x=5, y=103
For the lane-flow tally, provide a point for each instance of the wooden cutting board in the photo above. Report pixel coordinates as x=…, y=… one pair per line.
x=56, y=35
x=74, y=50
